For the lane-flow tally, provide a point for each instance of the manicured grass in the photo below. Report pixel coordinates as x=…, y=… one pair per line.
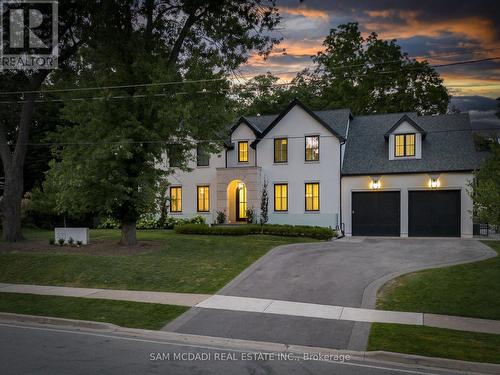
x=466, y=290
x=122, y=313
x=184, y=263
x=435, y=342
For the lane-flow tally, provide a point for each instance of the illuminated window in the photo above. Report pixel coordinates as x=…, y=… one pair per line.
x=175, y=199
x=312, y=196
x=203, y=199
x=281, y=197
x=280, y=150
x=242, y=152
x=312, y=148
x=202, y=156
x=404, y=145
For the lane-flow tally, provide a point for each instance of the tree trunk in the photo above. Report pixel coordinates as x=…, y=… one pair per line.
x=129, y=237
x=11, y=206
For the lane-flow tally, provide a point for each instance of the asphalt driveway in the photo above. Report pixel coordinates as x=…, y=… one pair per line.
x=345, y=272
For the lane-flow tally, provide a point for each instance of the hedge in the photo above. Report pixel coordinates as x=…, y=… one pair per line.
x=320, y=233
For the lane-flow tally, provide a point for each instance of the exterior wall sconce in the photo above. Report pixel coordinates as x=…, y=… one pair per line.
x=375, y=184
x=434, y=182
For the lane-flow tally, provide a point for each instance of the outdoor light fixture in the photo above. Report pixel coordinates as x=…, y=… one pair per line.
x=434, y=182
x=375, y=182
x=240, y=185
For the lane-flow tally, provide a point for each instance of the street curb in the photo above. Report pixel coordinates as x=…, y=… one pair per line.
x=380, y=357
x=46, y=320
x=361, y=331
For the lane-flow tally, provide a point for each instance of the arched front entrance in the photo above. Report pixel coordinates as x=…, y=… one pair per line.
x=237, y=201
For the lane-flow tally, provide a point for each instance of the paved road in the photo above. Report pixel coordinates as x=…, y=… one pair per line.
x=344, y=273
x=31, y=350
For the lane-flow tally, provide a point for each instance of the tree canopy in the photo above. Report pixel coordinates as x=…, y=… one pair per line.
x=366, y=74
x=111, y=160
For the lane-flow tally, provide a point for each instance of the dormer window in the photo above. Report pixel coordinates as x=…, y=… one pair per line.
x=404, y=145
x=243, y=152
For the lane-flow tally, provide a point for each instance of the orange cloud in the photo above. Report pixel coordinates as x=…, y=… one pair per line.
x=461, y=84
x=306, y=12
x=474, y=27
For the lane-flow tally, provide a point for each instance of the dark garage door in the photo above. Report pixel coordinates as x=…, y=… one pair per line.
x=376, y=214
x=434, y=213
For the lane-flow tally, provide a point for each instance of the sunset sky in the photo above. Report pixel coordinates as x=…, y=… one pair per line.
x=440, y=30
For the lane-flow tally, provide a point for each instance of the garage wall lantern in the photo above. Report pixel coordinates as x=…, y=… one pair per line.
x=375, y=184
x=434, y=181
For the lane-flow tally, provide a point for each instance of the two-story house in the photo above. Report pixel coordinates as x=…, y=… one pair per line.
x=389, y=175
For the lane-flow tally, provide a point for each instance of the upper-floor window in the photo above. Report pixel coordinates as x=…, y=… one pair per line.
x=281, y=197
x=175, y=199
x=203, y=199
x=404, y=145
x=312, y=148
x=175, y=155
x=202, y=156
x=242, y=152
x=312, y=196
x=280, y=150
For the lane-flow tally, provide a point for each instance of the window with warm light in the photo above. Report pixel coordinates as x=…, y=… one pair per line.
x=312, y=196
x=404, y=145
x=281, y=197
x=242, y=152
x=312, y=148
x=203, y=198
x=176, y=199
x=280, y=150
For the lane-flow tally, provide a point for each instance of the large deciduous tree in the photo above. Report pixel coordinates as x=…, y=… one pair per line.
x=111, y=161
x=366, y=74
x=75, y=25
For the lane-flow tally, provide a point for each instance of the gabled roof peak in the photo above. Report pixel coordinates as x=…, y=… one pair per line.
x=408, y=119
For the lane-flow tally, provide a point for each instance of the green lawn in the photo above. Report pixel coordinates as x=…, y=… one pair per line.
x=184, y=263
x=435, y=342
x=466, y=290
x=122, y=313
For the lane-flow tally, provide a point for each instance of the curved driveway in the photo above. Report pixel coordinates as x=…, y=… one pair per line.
x=345, y=272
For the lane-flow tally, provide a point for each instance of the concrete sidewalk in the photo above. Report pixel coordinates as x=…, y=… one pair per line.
x=266, y=306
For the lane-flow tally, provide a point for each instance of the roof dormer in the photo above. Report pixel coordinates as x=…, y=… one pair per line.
x=405, y=139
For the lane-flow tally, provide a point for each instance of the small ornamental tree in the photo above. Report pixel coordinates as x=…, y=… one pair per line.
x=264, y=205
x=485, y=191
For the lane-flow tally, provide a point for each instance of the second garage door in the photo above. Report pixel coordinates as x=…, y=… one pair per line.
x=376, y=213
x=434, y=213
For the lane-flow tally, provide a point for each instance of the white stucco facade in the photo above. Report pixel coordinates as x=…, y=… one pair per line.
x=405, y=183
x=226, y=176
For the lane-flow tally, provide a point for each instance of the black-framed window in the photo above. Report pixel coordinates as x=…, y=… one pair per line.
x=312, y=196
x=175, y=199
x=404, y=145
x=280, y=197
x=202, y=156
x=203, y=198
x=312, y=148
x=280, y=150
x=175, y=155
x=242, y=152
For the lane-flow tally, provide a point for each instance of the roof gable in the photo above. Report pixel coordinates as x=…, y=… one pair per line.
x=243, y=120
x=292, y=105
x=410, y=121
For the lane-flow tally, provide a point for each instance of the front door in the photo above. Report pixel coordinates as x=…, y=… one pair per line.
x=241, y=204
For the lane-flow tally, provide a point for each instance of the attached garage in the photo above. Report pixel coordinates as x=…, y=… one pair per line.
x=434, y=213
x=376, y=213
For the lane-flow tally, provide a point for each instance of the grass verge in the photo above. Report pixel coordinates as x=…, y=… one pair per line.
x=435, y=342
x=122, y=313
x=183, y=263
x=471, y=289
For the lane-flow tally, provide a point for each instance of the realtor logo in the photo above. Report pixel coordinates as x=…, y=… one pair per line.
x=28, y=34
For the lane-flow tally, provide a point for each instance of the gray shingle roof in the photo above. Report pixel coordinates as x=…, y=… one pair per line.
x=448, y=145
x=336, y=118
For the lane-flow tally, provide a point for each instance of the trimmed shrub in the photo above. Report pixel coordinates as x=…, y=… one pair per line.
x=320, y=233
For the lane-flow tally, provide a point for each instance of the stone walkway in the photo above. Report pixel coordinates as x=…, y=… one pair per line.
x=266, y=306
